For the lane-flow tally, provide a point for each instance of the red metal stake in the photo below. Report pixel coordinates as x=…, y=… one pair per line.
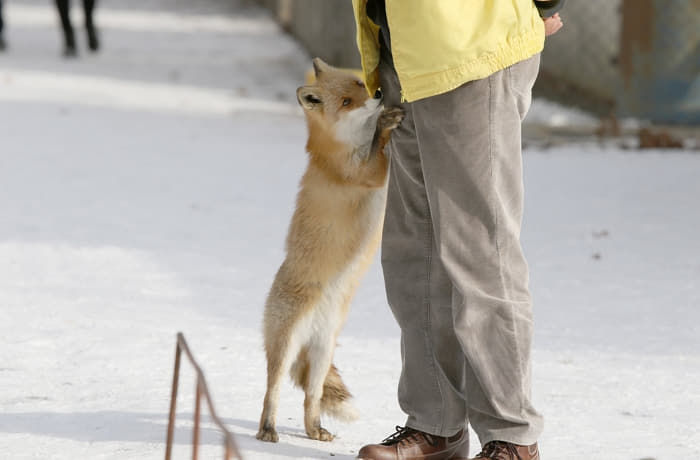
x=173, y=404
x=202, y=391
x=197, y=416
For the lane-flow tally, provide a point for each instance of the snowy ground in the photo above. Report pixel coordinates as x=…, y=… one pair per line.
x=147, y=190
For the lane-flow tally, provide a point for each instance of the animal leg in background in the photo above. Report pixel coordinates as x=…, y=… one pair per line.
x=2, y=26
x=93, y=41
x=69, y=49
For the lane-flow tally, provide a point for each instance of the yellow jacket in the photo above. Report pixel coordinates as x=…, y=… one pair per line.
x=438, y=45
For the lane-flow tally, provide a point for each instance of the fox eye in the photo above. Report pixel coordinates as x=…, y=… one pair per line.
x=312, y=99
x=346, y=101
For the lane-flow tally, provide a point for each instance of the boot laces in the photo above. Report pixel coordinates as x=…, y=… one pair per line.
x=405, y=434
x=499, y=450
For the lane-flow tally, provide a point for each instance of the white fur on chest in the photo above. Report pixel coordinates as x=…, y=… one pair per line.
x=375, y=208
x=319, y=327
x=356, y=127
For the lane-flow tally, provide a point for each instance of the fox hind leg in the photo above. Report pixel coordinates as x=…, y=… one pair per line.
x=279, y=361
x=320, y=356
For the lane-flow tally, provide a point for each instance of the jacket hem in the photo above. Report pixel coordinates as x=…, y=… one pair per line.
x=420, y=87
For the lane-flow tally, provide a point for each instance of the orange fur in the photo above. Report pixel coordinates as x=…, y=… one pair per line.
x=333, y=235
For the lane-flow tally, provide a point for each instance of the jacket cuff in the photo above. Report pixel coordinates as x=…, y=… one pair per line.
x=548, y=8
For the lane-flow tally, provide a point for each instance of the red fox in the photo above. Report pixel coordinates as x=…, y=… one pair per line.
x=333, y=235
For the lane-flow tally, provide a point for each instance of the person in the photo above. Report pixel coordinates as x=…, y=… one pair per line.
x=70, y=49
x=3, y=45
x=456, y=278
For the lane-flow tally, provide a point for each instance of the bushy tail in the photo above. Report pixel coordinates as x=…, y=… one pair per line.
x=335, y=401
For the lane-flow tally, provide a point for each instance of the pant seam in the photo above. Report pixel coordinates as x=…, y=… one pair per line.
x=492, y=189
x=523, y=390
x=429, y=250
x=494, y=210
x=441, y=410
x=497, y=232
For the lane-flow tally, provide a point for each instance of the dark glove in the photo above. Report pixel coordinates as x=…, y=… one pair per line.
x=548, y=8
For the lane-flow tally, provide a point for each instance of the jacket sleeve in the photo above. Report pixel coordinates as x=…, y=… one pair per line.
x=548, y=8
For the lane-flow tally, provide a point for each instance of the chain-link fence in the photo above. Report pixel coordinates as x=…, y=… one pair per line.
x=579, y=64
x=637, y=58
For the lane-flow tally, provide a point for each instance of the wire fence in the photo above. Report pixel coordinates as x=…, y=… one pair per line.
x=579, y=65
x=638, y=58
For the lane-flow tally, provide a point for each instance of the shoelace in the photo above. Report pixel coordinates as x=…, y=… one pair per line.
x=498, y=450
x=404, y=433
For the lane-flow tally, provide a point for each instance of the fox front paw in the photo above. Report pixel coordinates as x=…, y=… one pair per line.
x=390, y=118
x=320, y=434
x=267, y=435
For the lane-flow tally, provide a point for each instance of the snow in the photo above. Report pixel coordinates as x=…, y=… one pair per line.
x=147, y=190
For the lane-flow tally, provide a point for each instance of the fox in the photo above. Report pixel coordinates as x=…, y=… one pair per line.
x=333, y=235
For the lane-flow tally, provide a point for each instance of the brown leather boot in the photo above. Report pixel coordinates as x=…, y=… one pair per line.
x=408, y=443
x=499, y=450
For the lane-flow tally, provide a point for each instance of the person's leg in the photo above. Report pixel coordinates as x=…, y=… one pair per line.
x=88, y=7
x=63, y=7
x=431, y=387
x=2, y=26
x=93, y=41
x=470, y=153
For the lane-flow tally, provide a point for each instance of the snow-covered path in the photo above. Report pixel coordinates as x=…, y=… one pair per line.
x=147, y=190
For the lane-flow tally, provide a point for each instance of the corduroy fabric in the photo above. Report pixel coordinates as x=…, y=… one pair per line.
x=456, y=277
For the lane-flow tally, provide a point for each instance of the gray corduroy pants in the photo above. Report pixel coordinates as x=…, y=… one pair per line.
x=456, y=278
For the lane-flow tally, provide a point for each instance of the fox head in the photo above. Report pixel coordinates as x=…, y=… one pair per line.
x=338, y=108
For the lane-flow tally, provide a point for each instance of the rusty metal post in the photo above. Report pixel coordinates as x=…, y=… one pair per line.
x=197, y=416
x=202, y=391
x=173, y=403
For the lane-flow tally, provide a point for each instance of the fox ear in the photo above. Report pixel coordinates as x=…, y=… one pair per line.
x=308, y=97
x=319, y=66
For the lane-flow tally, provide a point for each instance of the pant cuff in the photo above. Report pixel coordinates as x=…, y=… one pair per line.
x=527, y=438
x=434, y=429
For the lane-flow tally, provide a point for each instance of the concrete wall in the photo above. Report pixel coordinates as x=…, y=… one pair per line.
x=326, y=28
